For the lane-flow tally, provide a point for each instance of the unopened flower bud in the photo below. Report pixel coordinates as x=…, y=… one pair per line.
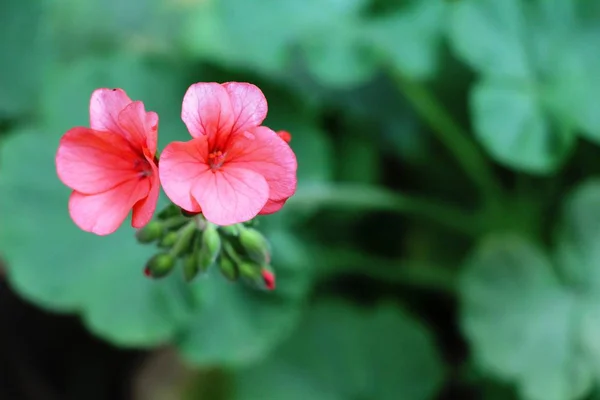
x=230, y=230
x=168, y=240
x=285, y=135
x=211, y=245
x=204, y=260
x=250, y=270
x=190, y=267
x=149, y=233
x=228, y=268
x=160, y=265
x=268, y=279
x=256, y=245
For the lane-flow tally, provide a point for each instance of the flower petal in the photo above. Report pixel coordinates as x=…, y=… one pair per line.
x=230, y=195
x=181, y=163
x=266, y=153
x=139, y=126
x=90, y=161
x=143, y=210
x=272, y=206
x=249, y=105
x=105, y=106
x=103, y=213
x=207, y=110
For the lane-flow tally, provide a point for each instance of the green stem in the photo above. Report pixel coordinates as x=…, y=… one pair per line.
x=185, y=235
x=452, y=135
x=365, y=197
x=336, y=261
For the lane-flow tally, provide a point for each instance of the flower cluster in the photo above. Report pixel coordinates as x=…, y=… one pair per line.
x=231, y=170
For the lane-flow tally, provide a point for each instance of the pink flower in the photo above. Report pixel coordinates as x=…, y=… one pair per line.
x=111, y=166
x=233, y=168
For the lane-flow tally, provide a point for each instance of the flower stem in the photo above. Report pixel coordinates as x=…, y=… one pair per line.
x=340, y=261
x=452, y=135
x=185, y=236
x=366, y=197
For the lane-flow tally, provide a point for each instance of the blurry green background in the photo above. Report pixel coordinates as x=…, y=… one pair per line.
x=444, y=241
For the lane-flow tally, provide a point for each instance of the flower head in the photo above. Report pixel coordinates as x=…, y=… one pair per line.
x=111, y=166
x=233, y=168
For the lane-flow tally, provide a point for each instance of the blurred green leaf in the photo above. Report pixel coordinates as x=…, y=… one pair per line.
x=537, y=61
x=533, y=319
x=238, y=326
x=56, y=265
x=25, y=52
x=409, y=37
x=342, y=352
x=335, y=39
x=579, y=256
x=89, y=27
x=521, y=321
x=511, y=124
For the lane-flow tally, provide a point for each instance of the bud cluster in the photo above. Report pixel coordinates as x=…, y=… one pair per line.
x=240, y=252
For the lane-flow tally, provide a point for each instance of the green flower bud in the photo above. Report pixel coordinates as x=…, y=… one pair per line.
x=159, y=265
x=230, y=230
x=204, y=260
x=168, y=240
x=149, y=233
x=211, y=245
x=250, y=270
x=228, y=268
x=256, y=245
x=190, y=267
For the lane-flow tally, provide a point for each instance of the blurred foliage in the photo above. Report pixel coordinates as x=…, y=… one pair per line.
x=443, y=239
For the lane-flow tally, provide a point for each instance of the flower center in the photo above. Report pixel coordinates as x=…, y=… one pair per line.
x=143, y=168
x=216, y=159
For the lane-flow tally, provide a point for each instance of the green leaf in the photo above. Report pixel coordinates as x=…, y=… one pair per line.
x=533, y=319
x=410, y=37
x=490, y=36
x=136, y=26
x=25, y=53
x=521, y=322
x=341, y=60
x=57, y=266
x=380, y=354
x=579, y=254
x=237, y=326
x=262, y=37
x=510, y=122
x=536, y=60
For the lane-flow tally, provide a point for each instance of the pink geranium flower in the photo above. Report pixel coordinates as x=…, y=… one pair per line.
x=233, y=168
x=111, y=166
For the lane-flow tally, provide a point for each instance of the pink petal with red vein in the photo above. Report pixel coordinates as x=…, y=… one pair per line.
x=103, y=213
x=249, y=105
x=91, y=162
x=230, y=195
x=265, y=153
x=105, y=106
x=181, y=164
x=207, y=110
x=139, y=126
